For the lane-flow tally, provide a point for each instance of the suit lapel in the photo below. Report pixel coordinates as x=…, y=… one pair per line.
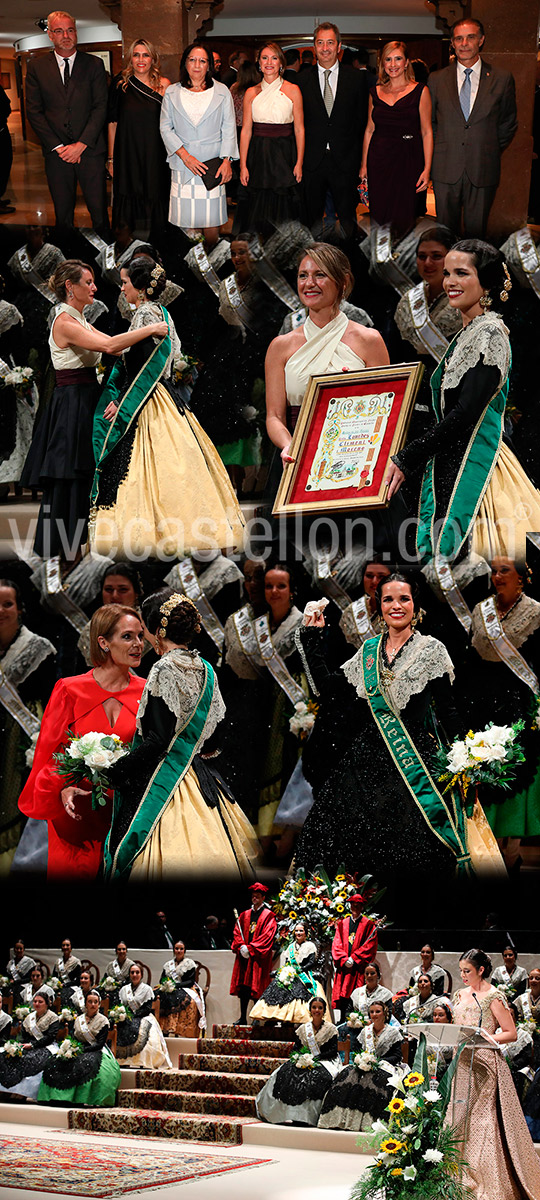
x=453, y=91
x=317, y=93
x=54, y=74
x=482, y=102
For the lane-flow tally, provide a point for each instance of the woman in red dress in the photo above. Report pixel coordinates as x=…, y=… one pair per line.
x=103, y=700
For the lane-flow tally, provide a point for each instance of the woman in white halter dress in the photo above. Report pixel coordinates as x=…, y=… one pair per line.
x=271, y=147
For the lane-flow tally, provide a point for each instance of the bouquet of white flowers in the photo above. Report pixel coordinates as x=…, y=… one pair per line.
x=12, y=1048
x=167, y=985
x=69, y=1048
x=117, y=1014
x=4, y=981
x=108, y=984
x=365, y=1061
x=22, y=1011
x=304, y=1060
x=356, y=1020
x=55, y=984
x=21, y=379
x=489, y=757
x=303, y=720
x=67, y=1014
x=89, y=757
x=285, y=975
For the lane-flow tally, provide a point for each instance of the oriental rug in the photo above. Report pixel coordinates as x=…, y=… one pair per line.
x=73, y=1169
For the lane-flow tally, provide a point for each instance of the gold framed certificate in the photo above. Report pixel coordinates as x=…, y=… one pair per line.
x=349, y=426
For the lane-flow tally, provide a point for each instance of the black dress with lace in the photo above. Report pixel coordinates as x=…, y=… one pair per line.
x=70, y=1072
x=31, y=1062
x=293, y=1086
x=285, y=993
x=356, y=1098
x=179, y=999
x=364, y=817
x=133, y=1033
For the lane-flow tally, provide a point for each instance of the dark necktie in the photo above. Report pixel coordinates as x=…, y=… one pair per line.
x=66, y=73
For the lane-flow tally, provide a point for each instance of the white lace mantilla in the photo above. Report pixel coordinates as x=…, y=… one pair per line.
x=283, y=638
x=9, y=316
x=178, y=970
x=25, y=654
x=147, y=314
x=471, y=567
x=421, y=660
x=178, y=679
x=82, y=584
x=442, y=315
x=212, y=578
x=485, y=336
x=135, y=998
x=322, y=1036
x=522, y=620
x=89, y=1025
x=304, y=950
x=384, y=1040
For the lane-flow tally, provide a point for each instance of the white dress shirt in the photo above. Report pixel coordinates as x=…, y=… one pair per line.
x=332, y=78
x=474, y=78
x=62, y=62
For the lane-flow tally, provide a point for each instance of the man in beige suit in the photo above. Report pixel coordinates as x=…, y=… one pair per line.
x=474, y=119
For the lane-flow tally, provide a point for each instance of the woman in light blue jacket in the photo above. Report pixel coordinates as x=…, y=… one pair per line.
x=198, y=125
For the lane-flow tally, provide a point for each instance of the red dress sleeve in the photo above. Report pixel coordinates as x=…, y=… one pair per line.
x=340, y=952
x=366, y=938
x=40, y=797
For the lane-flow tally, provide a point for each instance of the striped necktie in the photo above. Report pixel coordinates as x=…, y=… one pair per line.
x=327, y=94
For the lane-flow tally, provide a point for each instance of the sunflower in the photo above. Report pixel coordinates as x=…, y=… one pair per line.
x=390, y=1146
x=396, y=1105
x=414, y=1079
x=339, y=908
x=340, y=878
x=292, y=917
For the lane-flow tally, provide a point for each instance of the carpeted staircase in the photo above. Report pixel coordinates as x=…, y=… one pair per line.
x=208, y=1099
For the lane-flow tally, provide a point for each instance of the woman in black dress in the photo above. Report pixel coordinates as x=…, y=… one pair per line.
x=271, y=147
x=398, y=142
x=137, y=160
x=360, y=1093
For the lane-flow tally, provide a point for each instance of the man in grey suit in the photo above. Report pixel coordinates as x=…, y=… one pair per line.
x=474, y=119
x=66, y=104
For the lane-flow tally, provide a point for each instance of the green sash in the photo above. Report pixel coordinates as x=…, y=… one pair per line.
x=107, y=434
x=473, y=477
x=446, y=823
x=166, y=778
x=307, y=977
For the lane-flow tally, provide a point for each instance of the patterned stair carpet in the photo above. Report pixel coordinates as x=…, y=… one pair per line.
x=208, y=1099
x=103, y=1171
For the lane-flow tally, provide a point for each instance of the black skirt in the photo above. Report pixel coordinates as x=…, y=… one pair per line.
x=272, y=195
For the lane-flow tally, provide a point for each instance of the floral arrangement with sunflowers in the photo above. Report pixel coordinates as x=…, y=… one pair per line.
x=416, y=1155
x=320, y=902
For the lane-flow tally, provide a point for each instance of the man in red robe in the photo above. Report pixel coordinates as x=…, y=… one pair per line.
x=253, y=944
x=354, y=946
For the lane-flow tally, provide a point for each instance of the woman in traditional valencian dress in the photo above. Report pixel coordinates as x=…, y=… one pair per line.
x=159, y=482
x=93, y=1076
x=472, y=481
x=116, y=973
x=271, y=147
x=360, y=620
x=502, y=684
x=294, y=985
x=295, y=1092
x=510, y=977
x=419, y=1006
x=60, y=459
x=173, y=815
x=103, y=700
x=485, y=1110
x=360, y=1093
x=377, y=806
x=19, y=969
x=22, y=1073
x=140, y=1042
x=362, y=998
x=428, y=966
x=528, y=1008
x=67, y=971
x=182, y=972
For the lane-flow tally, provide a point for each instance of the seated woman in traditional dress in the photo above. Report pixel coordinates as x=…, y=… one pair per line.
x=27, y=663
x=77, y=1000
x=500, y=684
x=295, y=1092
x=362, y=998
x=19, y=969
x=419, y=1006
x=37, y=979
x=293, y=986
x=428, y=966
x=176, y=1000
x=102, y=700
x=271, y=147
x=528, y=1007
x=152, y=456
x=484, y=1109
x=173, y=814
x=5, y=1022
x=360, y=1093
x=440, y=1057
x=495, y=503
x=93, y=1076
x=140, y=1042
x=510, y=977
x=66, y=972
x=22, y=1073
x=116, y=973
x=376, y=810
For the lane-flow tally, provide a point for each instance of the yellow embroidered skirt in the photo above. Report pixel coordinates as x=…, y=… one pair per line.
x=176, y=495
x=192, y=838
x=509, y=510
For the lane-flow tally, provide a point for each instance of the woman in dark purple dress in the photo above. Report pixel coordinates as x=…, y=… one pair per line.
x=398, y=142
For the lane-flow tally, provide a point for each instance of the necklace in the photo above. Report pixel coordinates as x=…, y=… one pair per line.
x=506, y=613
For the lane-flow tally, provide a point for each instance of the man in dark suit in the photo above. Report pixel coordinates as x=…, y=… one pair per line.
x=292, y=61
x=335, y=114
x=474, y=119
x=66, y=104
